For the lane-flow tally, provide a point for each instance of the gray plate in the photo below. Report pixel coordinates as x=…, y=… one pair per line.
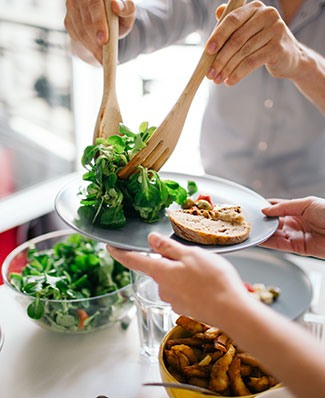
x=257, y=265
x=133, y=235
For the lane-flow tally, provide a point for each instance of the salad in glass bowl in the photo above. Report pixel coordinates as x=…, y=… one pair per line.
x=68, y=283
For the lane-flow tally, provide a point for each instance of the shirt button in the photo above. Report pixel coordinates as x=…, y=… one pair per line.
x=262, y=146
x=257, y=184
x=268, y=103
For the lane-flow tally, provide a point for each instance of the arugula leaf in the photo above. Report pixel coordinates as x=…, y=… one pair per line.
x=107, y=199
x=76, y=268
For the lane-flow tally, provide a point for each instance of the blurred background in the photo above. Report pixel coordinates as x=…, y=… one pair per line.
x=48, y=107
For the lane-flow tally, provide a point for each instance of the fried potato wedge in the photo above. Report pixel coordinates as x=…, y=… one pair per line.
x=237, y=384
x=191, y=325
x=219, y=379
x=208, y=358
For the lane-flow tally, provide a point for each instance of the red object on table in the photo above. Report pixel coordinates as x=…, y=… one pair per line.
x=8, y=239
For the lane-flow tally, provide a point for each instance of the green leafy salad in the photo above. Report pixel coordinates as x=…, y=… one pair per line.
x=109, y=200
x=70, y=282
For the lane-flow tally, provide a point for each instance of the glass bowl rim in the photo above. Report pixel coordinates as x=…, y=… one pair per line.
x=49, y=235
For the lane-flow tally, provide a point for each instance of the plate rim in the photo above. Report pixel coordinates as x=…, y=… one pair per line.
x=183, y=176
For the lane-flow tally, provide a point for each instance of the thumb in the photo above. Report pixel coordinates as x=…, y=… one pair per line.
x=167, y=247
x=220, y=10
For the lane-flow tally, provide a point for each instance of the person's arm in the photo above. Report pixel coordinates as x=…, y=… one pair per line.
x=285, y=348
x=301, y=227
x=154, y=24
x=309, y=76
x=161, y=23
x=255, y=35
x=205, y=286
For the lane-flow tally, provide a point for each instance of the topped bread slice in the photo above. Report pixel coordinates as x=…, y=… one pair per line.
x=223, y=225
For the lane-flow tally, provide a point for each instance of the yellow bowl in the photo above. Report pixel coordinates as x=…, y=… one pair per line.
x=178, y=332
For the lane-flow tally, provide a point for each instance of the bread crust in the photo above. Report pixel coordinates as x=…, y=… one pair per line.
x=207, y=228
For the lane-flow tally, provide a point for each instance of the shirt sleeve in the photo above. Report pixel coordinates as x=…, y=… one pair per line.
x=160, y=23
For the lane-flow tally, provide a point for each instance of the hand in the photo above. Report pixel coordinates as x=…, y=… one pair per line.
x=85, y=22
x=196, y=282
x=301, y=228
x=248, y=37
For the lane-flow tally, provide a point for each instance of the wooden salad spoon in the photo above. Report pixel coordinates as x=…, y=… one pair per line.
x=163, y=141
x=109, y=116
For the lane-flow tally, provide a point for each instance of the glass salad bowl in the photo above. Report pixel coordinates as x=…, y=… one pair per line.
x=68, y=283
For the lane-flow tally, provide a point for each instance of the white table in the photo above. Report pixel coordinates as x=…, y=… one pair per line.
x=36, y=363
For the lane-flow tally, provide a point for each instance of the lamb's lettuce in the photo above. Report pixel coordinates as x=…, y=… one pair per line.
x=68, y=284
x=109, y=200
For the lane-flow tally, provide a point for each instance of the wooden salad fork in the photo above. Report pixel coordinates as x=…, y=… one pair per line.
x=109, y=116
x=163, y=141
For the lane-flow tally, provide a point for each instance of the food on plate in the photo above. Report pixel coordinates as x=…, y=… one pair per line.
x=206, y=223
x=64, y=281
x=109, y=200
x=207, y=357
x=265, y=294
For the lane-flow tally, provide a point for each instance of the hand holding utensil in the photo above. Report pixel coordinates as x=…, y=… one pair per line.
x=162, y=143
x=109, y=116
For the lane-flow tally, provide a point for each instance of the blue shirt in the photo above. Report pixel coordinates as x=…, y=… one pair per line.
x=262, y=133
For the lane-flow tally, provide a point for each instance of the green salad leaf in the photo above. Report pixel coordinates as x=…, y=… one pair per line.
x=109, y=200
x=76, y=268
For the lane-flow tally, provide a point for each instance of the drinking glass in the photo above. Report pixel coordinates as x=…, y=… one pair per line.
x=155, y=317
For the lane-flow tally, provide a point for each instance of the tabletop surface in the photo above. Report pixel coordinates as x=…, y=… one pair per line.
x=36, y=363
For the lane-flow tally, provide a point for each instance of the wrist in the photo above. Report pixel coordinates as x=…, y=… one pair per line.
x=238, y=311
x=235, y=308
x=248, y=322
x=307, y=65
x=309, y=77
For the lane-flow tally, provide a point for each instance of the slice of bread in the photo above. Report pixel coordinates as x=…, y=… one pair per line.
x=224, y=225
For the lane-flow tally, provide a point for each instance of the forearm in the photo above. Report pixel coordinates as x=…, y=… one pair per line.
x=160, y=23
x=310, y=77
x=284, y=348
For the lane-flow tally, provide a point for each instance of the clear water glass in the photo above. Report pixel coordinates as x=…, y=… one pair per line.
x=155, y=317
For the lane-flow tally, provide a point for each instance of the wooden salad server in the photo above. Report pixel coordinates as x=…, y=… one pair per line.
x=109, y=115
x=163, y=141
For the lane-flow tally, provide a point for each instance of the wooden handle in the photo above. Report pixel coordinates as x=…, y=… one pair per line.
x=206, y=59
x=109, y=115
x=110, y=50
x=231, y=5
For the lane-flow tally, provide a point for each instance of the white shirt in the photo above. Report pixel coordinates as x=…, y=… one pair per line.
x=262, y=133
